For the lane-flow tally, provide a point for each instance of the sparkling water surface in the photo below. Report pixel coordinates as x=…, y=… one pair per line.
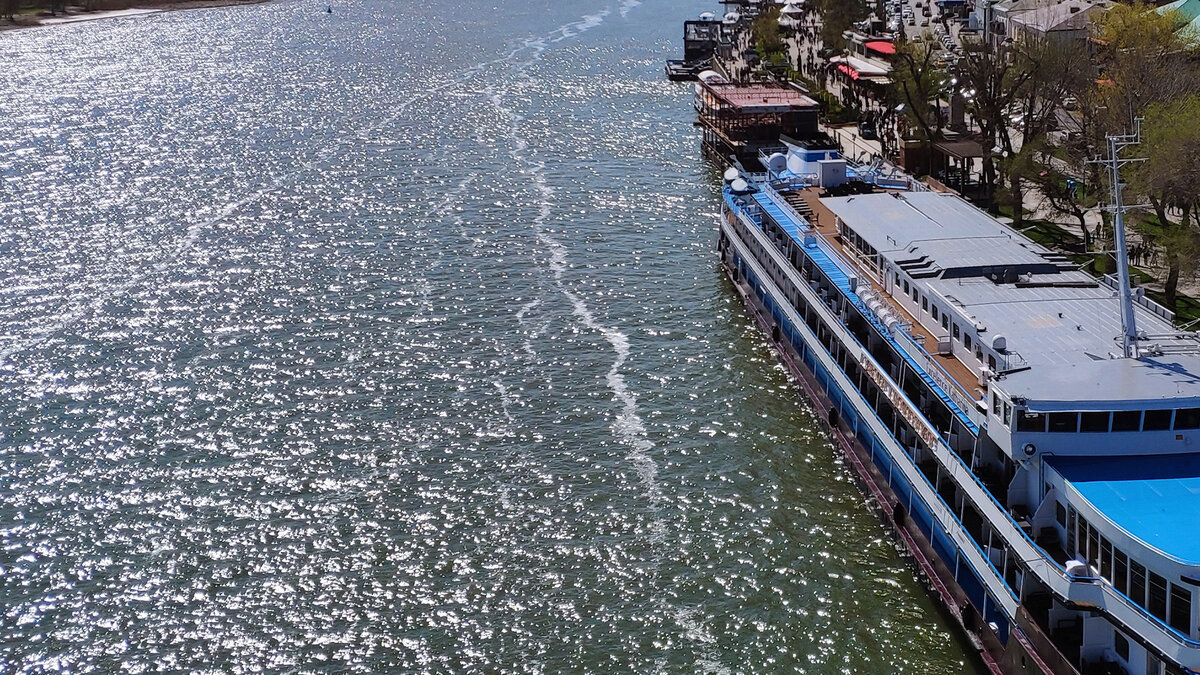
x=393, y=340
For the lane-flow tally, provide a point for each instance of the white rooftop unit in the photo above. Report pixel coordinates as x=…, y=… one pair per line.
x=831, y=172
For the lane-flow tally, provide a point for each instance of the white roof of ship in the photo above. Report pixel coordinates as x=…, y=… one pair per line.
x=1163, y=382
x=1059, y=320
x=942, y=227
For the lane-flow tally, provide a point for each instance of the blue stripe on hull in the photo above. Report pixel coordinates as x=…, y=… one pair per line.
x=942, y=544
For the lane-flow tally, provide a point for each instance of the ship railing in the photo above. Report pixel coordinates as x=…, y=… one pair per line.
x=863, y=275
x=788, y=210
x=914, y=345
x=1092, y=589
x=865, y=265
x=754, y=212
x=953, y=464
x=794, y=182
x=765, y=153
x=1011, y=361
x=893, y=182
x=1140, y=298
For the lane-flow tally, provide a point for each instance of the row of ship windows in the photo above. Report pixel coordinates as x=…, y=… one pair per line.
x=1170, y=602
x=944, y=317
x=1121, y=420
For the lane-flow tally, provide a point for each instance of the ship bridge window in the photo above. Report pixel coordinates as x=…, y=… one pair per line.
x=1063, y=422
x=1187, y=418
x=935, y=313
x=1156, y=420
x=1094, y=421
x=905, y=284
x=1120, y=571
x=1106, y=566
x=955, y=331
x=1030, y=421
x=925, y=303
x=967, y=341
x=1127, y=420
x=1092, y=554
x=1181, y=609
x=1137, y=583
x=1157, y=603
x=996, y=404
x=945, y=321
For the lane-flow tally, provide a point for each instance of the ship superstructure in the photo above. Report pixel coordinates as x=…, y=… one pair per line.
x=1052, y=483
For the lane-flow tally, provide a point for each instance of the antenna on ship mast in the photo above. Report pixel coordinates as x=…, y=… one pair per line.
x=1117, y=143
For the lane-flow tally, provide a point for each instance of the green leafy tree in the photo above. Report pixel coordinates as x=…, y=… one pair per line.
x=1018, y=89
x=769, y=41
x=1170, y=181
x=837, y=17
x=1148, y=68
x=918, y=82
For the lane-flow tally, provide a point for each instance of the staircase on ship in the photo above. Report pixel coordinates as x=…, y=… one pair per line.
x=797, y=201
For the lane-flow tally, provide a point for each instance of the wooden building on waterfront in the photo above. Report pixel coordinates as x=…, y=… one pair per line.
x=740, y=119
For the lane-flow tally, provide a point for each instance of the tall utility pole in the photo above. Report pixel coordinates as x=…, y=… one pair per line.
x=1117, y=143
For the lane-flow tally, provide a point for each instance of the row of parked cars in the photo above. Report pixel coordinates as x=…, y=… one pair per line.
x=944, y=37
x=907, y=13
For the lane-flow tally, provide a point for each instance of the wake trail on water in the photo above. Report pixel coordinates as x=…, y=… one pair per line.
x=628, y=426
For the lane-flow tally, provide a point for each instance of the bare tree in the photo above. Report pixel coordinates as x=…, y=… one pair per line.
x=1018, y=90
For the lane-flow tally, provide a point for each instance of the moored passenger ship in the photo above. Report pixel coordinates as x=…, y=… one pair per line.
x=1043, y=471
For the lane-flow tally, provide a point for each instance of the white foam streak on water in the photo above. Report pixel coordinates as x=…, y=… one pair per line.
x=628, y=425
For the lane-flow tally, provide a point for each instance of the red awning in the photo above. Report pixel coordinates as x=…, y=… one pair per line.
x=881, y=47
x=848, y=70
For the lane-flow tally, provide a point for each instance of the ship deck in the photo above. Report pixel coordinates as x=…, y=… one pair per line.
x=807, y=202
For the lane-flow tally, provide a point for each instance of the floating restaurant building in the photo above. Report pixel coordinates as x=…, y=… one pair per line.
x=741, y=119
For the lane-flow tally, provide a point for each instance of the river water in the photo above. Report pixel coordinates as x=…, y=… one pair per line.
x=393, y=340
